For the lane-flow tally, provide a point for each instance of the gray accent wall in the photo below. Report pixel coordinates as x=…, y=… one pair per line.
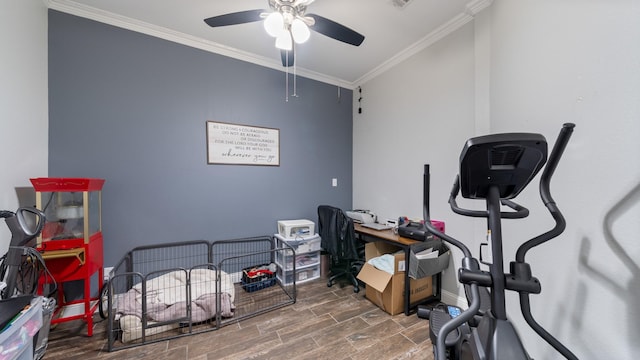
x=132, y=109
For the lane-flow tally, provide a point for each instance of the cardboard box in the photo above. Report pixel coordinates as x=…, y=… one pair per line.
x=387, y=290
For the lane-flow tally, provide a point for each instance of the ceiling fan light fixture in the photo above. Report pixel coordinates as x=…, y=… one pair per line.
x=274, y=24
x=288, y=22
x=283, y=41
x=300, y=31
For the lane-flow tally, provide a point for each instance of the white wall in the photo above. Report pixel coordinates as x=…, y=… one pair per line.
x=409, y=114
x=412, y=115
x=579, y=61
x=528, y=65
x=23, y=100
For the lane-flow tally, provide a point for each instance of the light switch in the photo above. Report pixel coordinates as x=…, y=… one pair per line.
x=334, y=182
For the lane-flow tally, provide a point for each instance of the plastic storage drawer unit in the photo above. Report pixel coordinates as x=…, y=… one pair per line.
x=302, y=260
x=306, y=259
x=16, y=339
x=303, y=275
x=301, y=244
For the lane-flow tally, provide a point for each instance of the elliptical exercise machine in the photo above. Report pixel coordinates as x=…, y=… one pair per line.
x=21, y=270
x=22, y=234
x=495, y=168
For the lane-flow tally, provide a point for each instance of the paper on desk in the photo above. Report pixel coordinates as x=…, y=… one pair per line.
x=384, y=263
x=427, y=254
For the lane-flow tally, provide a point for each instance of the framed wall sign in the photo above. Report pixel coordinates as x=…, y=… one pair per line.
x=242, y=145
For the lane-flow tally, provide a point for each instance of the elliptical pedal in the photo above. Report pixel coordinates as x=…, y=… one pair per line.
x=438, y=316
x=437, y=319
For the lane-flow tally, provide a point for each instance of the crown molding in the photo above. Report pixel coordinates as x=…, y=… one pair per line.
x=89, y=12
x=476, y=6
x=444, y=30
x=452, y=25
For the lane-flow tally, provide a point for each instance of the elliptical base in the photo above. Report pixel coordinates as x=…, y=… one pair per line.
x=493, y=339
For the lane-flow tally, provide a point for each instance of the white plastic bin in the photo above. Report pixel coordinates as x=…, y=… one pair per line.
x=16, y=340
x=301, y=244
x=302, y=260
x=301, y=276
x=293, y=228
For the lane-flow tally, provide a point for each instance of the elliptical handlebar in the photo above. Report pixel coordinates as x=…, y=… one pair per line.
x=469, y=263
x=518, y=213
x=455, y=190
x=547, y=199
x=427, y=217
x=21, y=233
x=554, y=159
x=545, y=194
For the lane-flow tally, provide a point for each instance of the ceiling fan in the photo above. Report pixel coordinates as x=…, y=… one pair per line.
x=288, y=22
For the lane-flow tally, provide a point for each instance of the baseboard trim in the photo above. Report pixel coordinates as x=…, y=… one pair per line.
x=454, y=299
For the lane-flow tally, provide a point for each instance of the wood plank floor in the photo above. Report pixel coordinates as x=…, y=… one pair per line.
x=325, y=323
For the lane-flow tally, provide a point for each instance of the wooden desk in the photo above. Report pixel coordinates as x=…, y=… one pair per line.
x=371, y=235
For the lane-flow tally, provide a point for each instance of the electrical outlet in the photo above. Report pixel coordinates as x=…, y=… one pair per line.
x=107, y=270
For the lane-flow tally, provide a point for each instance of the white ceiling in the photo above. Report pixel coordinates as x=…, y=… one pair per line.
x=391, y=33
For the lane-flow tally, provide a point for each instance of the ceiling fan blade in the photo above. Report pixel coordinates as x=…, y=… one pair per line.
x=336, y=31
x=302, y=2
x=287, y=58
x=240, y=17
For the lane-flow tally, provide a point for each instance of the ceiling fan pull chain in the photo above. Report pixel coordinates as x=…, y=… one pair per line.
x=295, y=86
x=286, y=84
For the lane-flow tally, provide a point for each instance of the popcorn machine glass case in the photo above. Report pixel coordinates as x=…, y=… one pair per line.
x=71, y=242
x=72, y=208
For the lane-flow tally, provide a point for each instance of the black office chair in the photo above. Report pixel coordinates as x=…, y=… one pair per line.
x=339, y=241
